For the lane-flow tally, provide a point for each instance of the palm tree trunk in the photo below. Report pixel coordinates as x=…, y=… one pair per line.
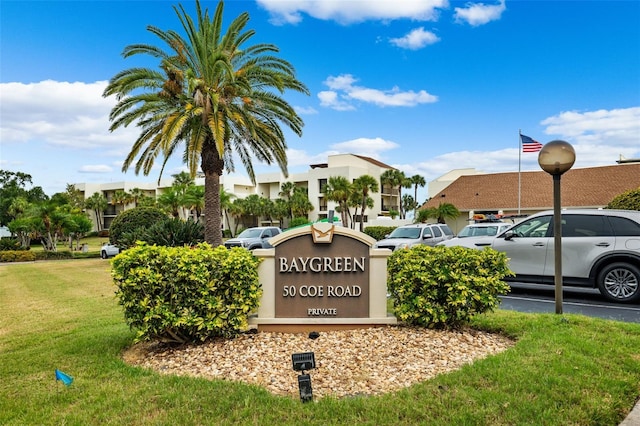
x=212, y=166
x=212, y=231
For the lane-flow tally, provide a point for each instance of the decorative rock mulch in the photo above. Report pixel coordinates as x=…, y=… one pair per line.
x=348, y=363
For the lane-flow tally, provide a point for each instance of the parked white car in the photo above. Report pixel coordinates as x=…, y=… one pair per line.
x=108, y=250
x=600, y=249
x=408, y=236
x=477, y=235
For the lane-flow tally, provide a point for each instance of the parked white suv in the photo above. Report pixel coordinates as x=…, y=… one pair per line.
x=408, y=236
x=600, y=249
x=477, y=235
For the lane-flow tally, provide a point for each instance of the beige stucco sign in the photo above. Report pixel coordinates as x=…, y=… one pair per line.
x=322, y=277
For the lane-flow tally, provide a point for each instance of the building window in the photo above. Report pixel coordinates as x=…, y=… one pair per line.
x=356, y=218
x=322, y=184
x=322, y=204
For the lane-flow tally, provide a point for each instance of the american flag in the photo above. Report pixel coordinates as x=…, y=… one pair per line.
x=530, y=145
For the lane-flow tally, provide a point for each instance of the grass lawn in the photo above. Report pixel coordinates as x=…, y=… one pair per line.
x=93, y=244
x=564, y=370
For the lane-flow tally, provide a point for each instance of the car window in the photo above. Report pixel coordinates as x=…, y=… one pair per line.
x=533, y=228
x=578, y=225
x=623, y=227
x=446, y=230
x=436, y=231
x=426, y=232
x=267, y=233
x=250, y=233
x=412, y=233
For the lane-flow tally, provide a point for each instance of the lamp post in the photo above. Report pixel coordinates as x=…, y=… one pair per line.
x=555, y=158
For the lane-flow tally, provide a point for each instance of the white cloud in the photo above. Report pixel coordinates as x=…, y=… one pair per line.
x=305, y=110
x=416, y=39
x=59, y=114
x=333, y=100
x=351, y=11
x=476, y=14
x=344, y=90
x=621, y=125
x=95, y=168
x=365, y=146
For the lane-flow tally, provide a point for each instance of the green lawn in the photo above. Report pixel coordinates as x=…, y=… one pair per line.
x=564, y=370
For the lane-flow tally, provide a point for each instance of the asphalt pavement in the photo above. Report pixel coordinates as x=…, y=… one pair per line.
x=533, y=298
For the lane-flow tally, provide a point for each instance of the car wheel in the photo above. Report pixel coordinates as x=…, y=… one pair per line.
x=620, y=282
x=103, y=254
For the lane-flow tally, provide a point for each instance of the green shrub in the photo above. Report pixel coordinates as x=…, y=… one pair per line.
x=130, y=221
x=182, y=294
x=379, y=232
x=17, y=256
x=174, y=232
x=629, y=200
x=445, y=286
x=298, y=221
x=53, y=255
x=10, y=244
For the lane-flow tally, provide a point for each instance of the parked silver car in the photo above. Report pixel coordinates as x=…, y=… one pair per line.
x=600, y=249
x=253, y=238
x=408, y=236
x=477, y=235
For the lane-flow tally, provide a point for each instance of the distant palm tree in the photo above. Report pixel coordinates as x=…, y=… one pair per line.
x=338, y=189
x=286, y=192
x=136, y=194
x=417, y=180
x=98, y=203
x=396, y=179
x=362, y=187
x=441, y=213
x=213, y=95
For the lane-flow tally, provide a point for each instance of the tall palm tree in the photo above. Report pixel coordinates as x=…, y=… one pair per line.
x=441, y=213
x=135, y=195
x=98, y=203
x=213, y=95
x=363, y=186
x=417, y=180
x=286, y=191
x=395, y=179
x=338, y=189
x=299, y=202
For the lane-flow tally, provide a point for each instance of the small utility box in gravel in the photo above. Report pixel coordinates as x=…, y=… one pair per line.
x=322, y=277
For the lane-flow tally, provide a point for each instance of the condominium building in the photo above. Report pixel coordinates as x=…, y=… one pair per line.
x=269, y=185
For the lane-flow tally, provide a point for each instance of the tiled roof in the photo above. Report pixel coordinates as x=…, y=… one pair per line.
x=374, y=161
x=581, y=187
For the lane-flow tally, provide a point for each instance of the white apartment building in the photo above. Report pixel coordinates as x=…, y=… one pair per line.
x=269, y=185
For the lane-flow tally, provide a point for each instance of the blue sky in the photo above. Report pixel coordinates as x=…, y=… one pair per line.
x=426, y=86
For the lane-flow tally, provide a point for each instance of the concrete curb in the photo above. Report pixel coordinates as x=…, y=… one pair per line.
x=633, y=419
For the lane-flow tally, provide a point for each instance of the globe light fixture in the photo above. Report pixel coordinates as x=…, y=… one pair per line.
x=557, y=157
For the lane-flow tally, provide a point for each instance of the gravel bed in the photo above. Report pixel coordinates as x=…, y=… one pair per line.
x=348, y=363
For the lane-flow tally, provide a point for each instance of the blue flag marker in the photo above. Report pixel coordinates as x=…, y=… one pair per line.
x=64, y=378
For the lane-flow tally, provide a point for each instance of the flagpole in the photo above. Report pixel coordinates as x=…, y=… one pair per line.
x=519, y=166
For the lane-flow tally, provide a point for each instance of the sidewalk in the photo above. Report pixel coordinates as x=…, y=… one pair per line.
x=633, y=419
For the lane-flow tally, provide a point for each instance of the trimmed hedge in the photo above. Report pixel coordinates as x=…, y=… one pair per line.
x=182, y=294
x=379, y=232
x=17, y=256
x=445, y=286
